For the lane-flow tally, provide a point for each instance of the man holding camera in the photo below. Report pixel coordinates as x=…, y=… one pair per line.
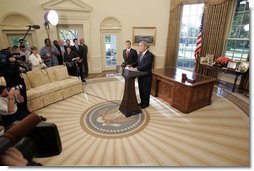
x=8, y=105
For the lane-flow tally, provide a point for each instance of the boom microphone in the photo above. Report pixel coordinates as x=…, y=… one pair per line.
x=34, y=26
x=18, y=131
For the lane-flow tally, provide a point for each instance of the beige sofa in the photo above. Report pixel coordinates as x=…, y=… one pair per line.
x=50, y=85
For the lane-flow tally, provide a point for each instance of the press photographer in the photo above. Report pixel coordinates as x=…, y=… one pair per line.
x=11, y=70
x=27, y=139
x=9, y=108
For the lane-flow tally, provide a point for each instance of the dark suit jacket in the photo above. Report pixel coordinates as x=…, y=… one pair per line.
x=59, y=57
x=145, y=64
x=85, y=51
x=79, y=51
x=132, y=56
x=70, y=56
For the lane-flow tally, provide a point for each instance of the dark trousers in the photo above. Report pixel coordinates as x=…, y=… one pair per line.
x=81, y=70
x=77, y=70
x=144, y=85
x=9, y=119
x=23, y=106
x=86, y=70
x=60, y=59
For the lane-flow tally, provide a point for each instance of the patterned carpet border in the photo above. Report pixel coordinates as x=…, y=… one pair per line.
x=234, y=99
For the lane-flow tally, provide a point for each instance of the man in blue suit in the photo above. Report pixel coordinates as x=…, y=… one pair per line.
x=144, y=64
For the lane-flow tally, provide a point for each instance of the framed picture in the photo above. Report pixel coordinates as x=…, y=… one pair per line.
x=144, y=34
x=210, y=58
x=204, y=60
x=231, y=65
x=243, y=67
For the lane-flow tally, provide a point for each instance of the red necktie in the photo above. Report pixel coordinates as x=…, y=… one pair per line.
x=127, y=53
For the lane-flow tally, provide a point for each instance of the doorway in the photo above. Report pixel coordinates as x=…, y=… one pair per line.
x=110, y=50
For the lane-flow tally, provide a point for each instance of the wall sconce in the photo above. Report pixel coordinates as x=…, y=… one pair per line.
x=50, y=17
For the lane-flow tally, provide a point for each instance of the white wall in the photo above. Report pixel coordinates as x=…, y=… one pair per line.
x=131, y=13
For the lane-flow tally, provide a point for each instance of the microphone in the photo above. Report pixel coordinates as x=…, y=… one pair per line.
x=18, y=131
x=34, y=26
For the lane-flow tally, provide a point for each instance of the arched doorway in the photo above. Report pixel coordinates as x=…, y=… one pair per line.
x=110, y=43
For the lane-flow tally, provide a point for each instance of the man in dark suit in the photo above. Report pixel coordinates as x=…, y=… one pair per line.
x=85, y=51
x=79, y=50
x=130, y=55
x=59, y=56
x=144, y=64
x=62, y=47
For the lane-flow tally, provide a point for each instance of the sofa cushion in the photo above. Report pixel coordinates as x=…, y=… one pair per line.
x=72, y=81
x=28, y=85
x=48, y=88
x=51, y=74
x=52, y=98
x=60, y=72
x=33, y=93
x=38, y=77
x=70, y=91
x=35, y=104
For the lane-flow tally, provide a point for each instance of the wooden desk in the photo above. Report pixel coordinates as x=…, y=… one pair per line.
x=184, y=96
x=214, y=70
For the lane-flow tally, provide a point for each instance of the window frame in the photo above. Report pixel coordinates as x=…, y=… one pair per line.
x=191, y=38
x=237, y=39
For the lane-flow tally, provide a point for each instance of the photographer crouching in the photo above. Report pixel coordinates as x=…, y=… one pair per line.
x=11, y=69
x=8, y=106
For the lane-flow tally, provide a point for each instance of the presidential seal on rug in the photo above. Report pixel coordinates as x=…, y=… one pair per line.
x=105, y=120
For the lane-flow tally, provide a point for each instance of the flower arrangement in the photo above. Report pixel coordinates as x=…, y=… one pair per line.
x=222, y=61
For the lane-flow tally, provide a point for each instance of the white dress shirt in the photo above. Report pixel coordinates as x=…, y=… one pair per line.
x=35, y=61
x=4, y=107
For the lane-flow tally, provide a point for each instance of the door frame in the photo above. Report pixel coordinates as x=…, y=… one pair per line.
x=103, y=50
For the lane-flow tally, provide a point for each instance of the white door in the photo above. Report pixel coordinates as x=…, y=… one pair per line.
x=109, y=50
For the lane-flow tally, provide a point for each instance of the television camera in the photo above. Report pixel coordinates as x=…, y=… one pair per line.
x=32, y=137
x=5, y=54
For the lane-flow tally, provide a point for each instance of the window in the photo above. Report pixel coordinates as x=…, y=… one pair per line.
x=237, y=44
x=110, y=47
x=14, y=40
x=69, y=32
x=190, y=27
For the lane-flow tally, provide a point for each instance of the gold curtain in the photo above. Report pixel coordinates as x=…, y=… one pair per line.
x=215, y=21
x=216, y=13
x=173, y=35
x=214, y=27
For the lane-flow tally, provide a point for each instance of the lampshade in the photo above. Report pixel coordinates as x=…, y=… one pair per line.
x=51, y=17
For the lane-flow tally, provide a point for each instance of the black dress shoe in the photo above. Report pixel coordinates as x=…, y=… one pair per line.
x=144, y=106
x=140, y=104
x=83, y=80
